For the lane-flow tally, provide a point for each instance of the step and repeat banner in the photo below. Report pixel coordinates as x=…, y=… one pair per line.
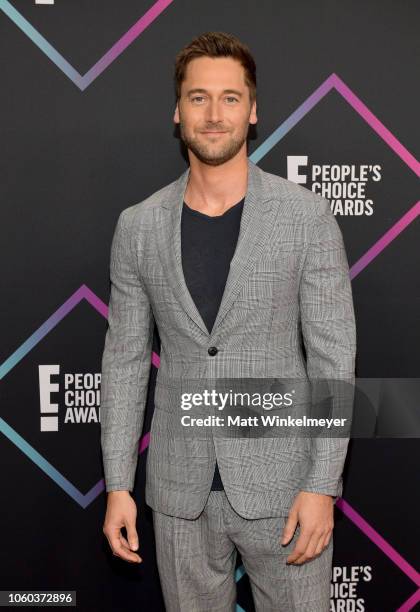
x=87, y=104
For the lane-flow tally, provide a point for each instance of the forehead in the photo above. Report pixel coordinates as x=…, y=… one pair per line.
x=214, y=73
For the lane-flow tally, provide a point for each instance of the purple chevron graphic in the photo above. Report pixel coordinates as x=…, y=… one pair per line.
x=334, y=82
x=84, y=500
x=85, y=293
x=386, y=240
x=385, y=547
x=83, y=81
x=411, y=602
x=80, y=294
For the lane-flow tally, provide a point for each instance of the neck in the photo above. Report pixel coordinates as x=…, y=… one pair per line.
x=214, y=189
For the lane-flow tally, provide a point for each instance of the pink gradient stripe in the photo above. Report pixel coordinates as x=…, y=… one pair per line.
x=98, y=304
x=83, y=81
x=334, y=82
x=124, y=42
x=83, y=292
x=377, y=539
x=375, y=124
x=386, y=239
x=411, y=602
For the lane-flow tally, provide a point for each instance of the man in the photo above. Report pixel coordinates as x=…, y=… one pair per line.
x=235, y=266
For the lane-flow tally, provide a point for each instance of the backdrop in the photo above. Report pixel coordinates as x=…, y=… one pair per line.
x=86, y=104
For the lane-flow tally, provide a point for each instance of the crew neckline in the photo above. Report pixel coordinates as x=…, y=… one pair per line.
x=215, y=217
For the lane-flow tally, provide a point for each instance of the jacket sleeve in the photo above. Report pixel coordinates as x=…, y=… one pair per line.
x=329, y=334
x=126, y=363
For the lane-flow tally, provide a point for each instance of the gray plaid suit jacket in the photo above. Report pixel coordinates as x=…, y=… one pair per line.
x=288, y=280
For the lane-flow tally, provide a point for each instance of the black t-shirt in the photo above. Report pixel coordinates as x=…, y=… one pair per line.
x=207, y=246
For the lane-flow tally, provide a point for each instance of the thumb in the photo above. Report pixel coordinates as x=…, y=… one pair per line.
x=132, y=537
x=289, y=528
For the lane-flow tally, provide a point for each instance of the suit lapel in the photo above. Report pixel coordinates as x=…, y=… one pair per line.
x=256, y=222
x=169, y=239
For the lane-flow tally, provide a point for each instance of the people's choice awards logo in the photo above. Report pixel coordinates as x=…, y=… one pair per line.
x=77, y=393
x=345, y=580
x=345, y=186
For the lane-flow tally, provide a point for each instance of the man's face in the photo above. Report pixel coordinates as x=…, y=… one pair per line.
x=214, y=110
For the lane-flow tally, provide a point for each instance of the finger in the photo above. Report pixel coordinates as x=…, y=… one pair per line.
x=120, y=551
x=132, y=536
x=324, y=542
x=300, y=546
x=289, y=529
x=114, y=535
x=127, y=545
x=310, y=549
x=124, y=542
x=328, y=538
x=320, y=546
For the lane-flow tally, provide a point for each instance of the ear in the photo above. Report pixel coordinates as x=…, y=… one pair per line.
x=253, y=114
x=176, y=114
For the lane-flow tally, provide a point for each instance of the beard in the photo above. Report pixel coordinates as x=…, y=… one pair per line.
x=214, y=154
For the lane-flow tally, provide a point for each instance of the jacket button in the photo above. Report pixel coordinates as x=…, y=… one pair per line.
x=212, y=350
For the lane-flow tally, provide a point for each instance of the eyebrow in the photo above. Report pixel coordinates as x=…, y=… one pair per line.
x=201, y=90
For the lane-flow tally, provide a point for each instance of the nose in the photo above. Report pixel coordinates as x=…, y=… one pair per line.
x=214, y=114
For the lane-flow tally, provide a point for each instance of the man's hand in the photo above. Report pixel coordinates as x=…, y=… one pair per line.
x=315, y=514
x=122, y=512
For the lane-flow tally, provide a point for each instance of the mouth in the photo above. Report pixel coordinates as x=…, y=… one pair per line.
x=212, y=132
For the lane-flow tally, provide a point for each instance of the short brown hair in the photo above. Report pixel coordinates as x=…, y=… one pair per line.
x=217, y=44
